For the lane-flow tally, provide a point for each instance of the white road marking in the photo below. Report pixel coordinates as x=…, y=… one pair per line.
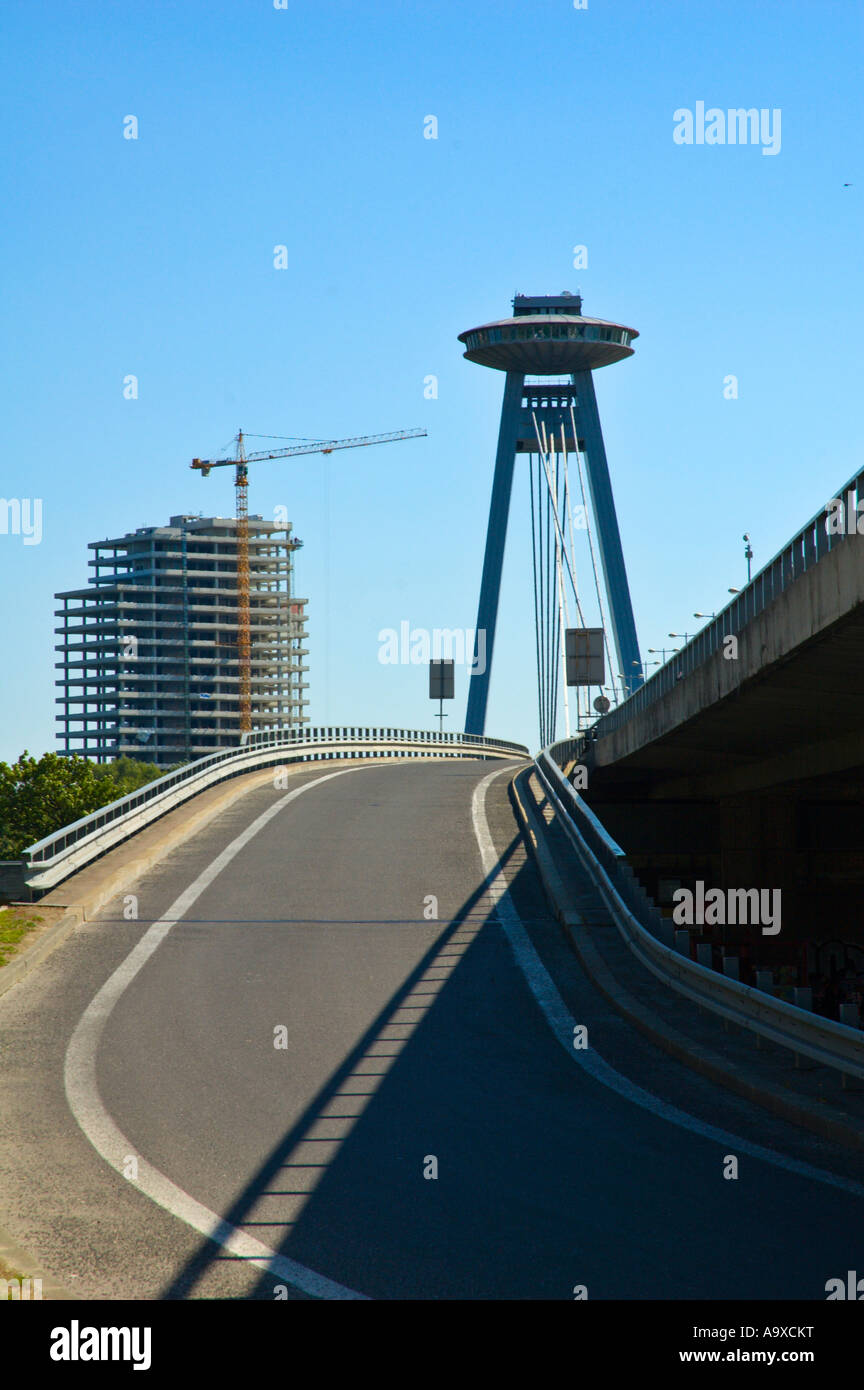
x=82, y=1091
x=562, y=1022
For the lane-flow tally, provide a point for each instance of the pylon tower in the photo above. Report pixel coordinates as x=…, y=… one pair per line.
x=548, y=336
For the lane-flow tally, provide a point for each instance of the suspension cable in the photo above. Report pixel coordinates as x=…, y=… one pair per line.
x=593, y=557
x=536, y=604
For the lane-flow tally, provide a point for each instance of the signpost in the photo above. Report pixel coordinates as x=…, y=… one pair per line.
x=441, y=685
x=583, y=649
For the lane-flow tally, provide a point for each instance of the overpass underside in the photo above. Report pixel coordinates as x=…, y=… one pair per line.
x=750, y=771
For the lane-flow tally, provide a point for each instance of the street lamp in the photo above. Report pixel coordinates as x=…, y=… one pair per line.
x=685, y=635
x=748, y=552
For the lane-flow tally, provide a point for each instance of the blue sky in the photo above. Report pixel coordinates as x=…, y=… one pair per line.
x=303, y=127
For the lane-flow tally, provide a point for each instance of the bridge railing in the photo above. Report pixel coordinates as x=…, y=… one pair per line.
x=56, y=856
x=805, y=550
x=259, y=738
x=651, y=937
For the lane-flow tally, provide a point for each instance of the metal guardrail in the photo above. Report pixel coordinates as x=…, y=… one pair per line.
x=832, y=1044
x=805, y=550
x=56, y=856
x=262, y=737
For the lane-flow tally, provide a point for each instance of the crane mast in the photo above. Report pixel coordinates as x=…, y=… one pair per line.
x=240, y=463
x=244, y=633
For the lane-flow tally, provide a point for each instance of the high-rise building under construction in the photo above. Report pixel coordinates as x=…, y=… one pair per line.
x=149, y=650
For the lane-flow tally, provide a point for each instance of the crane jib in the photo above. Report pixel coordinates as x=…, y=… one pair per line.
x=321, y=446
x=241, y=482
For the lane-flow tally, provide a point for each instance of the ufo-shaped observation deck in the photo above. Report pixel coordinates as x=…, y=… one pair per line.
x=541, y=344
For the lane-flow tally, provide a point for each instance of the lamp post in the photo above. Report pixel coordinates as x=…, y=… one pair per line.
x=748, y=552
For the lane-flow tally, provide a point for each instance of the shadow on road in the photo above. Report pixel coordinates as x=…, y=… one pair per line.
x=390, y=1107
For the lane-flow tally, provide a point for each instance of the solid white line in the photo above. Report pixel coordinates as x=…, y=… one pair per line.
x=82, y=1090
x=562, y=1022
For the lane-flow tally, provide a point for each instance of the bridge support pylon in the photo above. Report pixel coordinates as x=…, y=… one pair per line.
x=546, y=336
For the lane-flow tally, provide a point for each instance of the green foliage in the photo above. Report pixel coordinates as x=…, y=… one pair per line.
x=127, y=775
x=41, y=795
x=9, y=1272
x=12, y=929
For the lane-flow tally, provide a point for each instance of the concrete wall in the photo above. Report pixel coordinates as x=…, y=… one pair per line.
x=822, y=596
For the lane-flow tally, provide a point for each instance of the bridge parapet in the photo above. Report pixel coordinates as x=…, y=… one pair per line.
x=812, y=544
x=54, y=858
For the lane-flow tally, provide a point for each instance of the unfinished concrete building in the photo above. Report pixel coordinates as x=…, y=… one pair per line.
x=148, y=648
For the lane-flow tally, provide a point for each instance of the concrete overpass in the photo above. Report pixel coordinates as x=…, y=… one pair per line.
x=742, y=760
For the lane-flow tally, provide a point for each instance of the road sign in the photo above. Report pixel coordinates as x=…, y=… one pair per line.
x=441, y=685
x=584, y=652
x=441, y=680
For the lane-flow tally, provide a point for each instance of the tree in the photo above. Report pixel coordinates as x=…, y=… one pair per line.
x=38, y=796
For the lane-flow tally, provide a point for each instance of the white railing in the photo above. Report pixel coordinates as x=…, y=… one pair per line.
x=55, y=857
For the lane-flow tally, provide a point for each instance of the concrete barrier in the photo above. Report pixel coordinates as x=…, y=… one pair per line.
x=836, y=1045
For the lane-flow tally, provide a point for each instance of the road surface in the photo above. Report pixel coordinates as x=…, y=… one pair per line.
x=377, y=1101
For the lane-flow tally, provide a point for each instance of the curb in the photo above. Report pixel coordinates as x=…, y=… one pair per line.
x=108, y=883
x=827, y=1122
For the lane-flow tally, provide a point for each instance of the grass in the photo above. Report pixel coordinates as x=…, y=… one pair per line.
x=9, y=1272
x=12, y=929
x=28, y=1287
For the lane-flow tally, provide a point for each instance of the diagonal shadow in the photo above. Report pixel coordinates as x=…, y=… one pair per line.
x=545, y=1181
x=209, y=1252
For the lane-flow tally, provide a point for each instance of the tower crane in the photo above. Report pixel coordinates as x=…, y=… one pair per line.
x=240, y=463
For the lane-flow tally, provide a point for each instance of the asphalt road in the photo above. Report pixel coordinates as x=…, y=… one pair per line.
x=407, y=1045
